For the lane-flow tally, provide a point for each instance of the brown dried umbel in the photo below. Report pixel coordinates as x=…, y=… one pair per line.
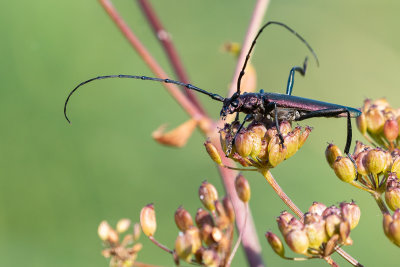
x=319, y=231
x=122, y=253
x=258, y=145
x=379, y=123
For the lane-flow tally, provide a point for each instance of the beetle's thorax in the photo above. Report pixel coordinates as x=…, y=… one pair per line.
x=248, y=103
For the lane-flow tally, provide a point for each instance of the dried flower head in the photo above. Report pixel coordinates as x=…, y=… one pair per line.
x=379, y=123
x=124, y=252
x=319, y=231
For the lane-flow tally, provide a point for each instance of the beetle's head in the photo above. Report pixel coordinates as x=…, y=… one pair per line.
x=231, y=105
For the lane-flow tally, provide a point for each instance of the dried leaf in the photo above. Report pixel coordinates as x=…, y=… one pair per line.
x=176, y=137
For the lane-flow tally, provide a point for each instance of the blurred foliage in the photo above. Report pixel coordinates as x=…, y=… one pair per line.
x=59, y=181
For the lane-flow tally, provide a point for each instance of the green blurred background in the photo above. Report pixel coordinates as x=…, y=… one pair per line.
x=59, y=180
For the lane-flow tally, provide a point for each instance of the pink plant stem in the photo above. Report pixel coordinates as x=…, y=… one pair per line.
x=256, y=19
x=187, y=105
x=169, y=48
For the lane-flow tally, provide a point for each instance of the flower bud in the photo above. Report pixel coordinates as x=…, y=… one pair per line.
x=316, y=233
x=206, y=234
x=391, y=130
x=103, y=230
x=304, y=135
x=222, y=220
x=216, y=234
x=375, y=120
x=193, y=234
x=351, y=213
x=362, y=123
x=123, y=225
x=392, y=193
x=213, y=152
x=360, y=147
x=331, y=244
x=375, y=161
x=208, y=195
x=387, y=220
x=394, y=228
x=360, y=162
x=297, y=240
x=332, y=223
x=203, y=218
x=148, y=220
x=276, y=152
x=331, y=154
x=242, y=188
x=113, y=236
x=244, y=143
x=396, y=165
x=283, y=221
x=183, y=247
x=183, y=219
x=292, y=143
x=258, y=129
x=229, y=210
x=344, y=233
x=344, y=169
x=275, y=243
x=210, y=258
x=285, y=127
x=317, y=208
x=257, y=145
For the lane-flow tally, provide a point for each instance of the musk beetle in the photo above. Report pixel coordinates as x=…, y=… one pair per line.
x=262, y=105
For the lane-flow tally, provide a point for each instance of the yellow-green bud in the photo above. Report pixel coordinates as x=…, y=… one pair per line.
x=304, y=135
x=292, y=143
x=123, y=225
x=375, y=161
x=208, y=195
x=276, y=152
x=183, y=219
x=242, y=188
x=257, y=145
x=183, y=247
x=396, y=165
x=362, y=123
x=375, y=120
x=210, y=258
x=213, y=152
x=275, y=243
x=285, y=127
x=331, y=154
x=332, y=223
x=148, y=220
x=392, y=193
x=297, y=240
x=194, y=237
x=344, y=169
x=316, y=233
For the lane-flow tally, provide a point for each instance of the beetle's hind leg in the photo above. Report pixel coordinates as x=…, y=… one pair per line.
x=301, y=70
x=230, y=146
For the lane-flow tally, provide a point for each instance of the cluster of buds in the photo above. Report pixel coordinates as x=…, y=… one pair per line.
x=379, y=123
x=259, y=145
x=376, y=170
x=318, y=233
x=123, y=251
x=206, y=240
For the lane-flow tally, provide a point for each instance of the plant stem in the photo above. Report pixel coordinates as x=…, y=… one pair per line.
x=380, y=202
x=169, y=48
x=158, y=244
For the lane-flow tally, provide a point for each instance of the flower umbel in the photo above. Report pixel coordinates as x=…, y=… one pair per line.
x=319, y=231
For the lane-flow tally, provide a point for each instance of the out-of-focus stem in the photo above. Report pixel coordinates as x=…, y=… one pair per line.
x=158, y=244
x=186, y=104
x=169, y=48
x=380, y=202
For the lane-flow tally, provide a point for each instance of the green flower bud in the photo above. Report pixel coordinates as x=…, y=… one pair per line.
x=183, y=247
x=344, y=169
x=316, y=233
x=331, y=154
x=375, y=161
x=297, y=240
x=244, y=143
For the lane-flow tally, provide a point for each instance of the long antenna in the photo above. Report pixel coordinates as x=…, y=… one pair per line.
x=187, y=85
x=254, y=43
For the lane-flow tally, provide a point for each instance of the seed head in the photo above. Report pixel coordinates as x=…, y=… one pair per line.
x=331, y=154
x=275, y=243
x=212, y=152
x=242, y=188
x=183, y=219
x=344, y=169
x=208, y=194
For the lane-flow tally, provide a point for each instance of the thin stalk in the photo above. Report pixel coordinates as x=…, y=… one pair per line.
x=380, y=202
x=164, y=37
x=158, y=244
x=228, y=263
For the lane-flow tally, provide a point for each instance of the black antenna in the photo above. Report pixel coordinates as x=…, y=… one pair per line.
x=187, y=85
x=254, y=43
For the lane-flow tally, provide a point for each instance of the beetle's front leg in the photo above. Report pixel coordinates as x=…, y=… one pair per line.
x=230, y=146
x=273, y=106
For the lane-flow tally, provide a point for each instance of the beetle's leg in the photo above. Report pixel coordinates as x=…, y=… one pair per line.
x=332, y=112
x=273, y=106
x=229, y=148
x=301, y=70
